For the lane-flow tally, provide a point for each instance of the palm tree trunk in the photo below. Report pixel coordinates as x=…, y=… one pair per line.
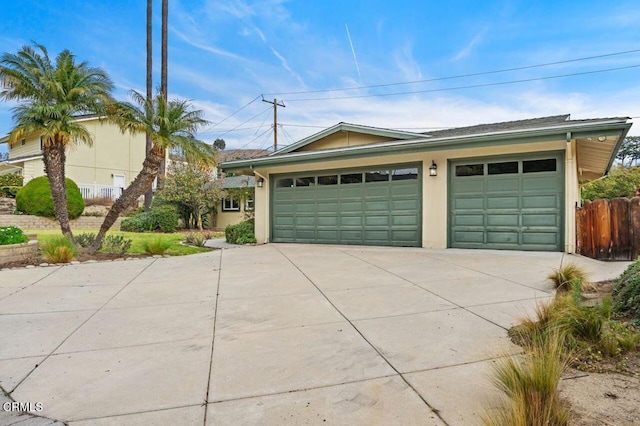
x=54, y=157
x=148, y=196
x=163, y=78
x=139, y=186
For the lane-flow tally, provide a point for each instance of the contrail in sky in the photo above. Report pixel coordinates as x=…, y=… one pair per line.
x=355, y=59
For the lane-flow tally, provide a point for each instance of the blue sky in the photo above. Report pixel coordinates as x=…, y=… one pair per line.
x=224, y=54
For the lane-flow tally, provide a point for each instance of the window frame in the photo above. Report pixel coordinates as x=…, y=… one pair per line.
x=233, y=202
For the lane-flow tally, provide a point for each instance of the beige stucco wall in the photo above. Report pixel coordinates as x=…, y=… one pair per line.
x=112, y=153
x=224, y=219
x=434, y=189
x=344, y=139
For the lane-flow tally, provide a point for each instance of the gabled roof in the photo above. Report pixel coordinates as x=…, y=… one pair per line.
x=239, y=154
x=521, y=131
x=347, y=127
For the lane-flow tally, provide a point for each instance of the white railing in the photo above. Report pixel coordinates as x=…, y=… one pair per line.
x=93, y=190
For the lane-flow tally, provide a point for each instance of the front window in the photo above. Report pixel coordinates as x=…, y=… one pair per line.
x=249, y=204
x=230, y=205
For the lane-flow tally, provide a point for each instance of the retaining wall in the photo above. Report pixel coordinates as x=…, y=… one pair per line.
x=18, y=252
x=37, y=222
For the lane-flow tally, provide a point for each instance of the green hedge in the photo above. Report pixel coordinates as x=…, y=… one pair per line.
x=242, y=233
x=12, y=235
x=626, y=293
x=11, y=180
x=163, y=218
x=9, y=191
x=35, y=198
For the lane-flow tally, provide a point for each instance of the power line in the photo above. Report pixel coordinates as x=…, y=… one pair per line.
x=245, y=122
x=471, y=86
x=229, y=116
x=586, y=58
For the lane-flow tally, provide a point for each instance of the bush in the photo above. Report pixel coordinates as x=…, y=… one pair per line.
x=12, y=235
x=58, y=249
x=35, y=198
x=563, y=278
x=626, y=293
x=85, y=240
x=11, y=180
x=156, y=246
x=242, y=233
x=116, y=244
x=9, y=191
x=163, y=218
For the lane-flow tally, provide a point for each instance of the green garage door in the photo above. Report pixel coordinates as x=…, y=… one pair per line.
x=513, y=203
x=380, y=206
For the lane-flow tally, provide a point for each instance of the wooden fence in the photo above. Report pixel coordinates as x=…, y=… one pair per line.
x=609, y=229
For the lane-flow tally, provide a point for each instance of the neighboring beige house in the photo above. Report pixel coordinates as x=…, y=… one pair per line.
x=511, y=185
x=100, y=170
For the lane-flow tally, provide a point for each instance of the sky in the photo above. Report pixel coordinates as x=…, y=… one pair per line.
x=412, y=65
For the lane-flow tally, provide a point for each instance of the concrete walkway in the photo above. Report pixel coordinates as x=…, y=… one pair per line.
x=275, y=334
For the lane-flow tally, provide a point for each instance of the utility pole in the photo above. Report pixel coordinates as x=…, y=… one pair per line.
x=275, y=120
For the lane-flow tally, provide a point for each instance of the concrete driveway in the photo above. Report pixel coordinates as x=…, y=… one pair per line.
x=275, y=334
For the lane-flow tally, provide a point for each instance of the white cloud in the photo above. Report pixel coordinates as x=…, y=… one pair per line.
x=468, y=49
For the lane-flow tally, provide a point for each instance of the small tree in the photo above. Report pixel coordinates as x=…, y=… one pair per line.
x=219, y=144
x=193, y=187
x=629, y=152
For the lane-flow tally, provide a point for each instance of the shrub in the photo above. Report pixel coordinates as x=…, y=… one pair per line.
x=163, y=218
x=58, y=249
x=195, y=238
x=11, y=180
x=566, y=275
x=626, y=293
x=156, y=246
x=35, y=198
x=85, y=240
x=241, y=233
x=12, y=235
x=530, y=383
x=9, y=191
x=116, y=244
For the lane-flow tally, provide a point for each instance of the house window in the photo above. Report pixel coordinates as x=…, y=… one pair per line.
x=284, y=183
x=377, y=176
x=249, y=204
x=23, y=141
x=405, y=174
x=230, y=205
x=351, y=178
x=41, y=143
x=328, y=180
x=305, y=181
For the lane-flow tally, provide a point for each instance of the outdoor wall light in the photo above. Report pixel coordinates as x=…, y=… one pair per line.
x=433, y=169
x=260, y=182
x=602, y=138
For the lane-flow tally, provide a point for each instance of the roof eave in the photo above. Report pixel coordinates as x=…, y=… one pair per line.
x=421, y=143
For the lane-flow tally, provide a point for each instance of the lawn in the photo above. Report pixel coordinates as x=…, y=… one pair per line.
x=139, y=238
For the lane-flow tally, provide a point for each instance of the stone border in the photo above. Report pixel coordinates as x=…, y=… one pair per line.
x=18, y=252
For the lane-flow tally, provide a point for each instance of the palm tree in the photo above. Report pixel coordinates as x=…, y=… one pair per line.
x=148, y=196
x=51, y=96
x=172, y=126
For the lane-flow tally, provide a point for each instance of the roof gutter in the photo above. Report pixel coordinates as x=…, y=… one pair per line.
x=422, y=143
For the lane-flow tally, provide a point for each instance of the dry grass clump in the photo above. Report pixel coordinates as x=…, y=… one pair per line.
x=563, y=278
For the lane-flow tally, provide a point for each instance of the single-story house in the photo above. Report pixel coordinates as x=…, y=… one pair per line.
x=100, y=170
x=237, y=206
x=511, y=185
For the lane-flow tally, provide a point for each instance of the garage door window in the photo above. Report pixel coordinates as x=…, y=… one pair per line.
x=328, y=180
x=377, y=176
x=535, y=166
x=305, y=181
x=502, y=168
x=470, y=170
x=284, y=183
x=351, y=178
x=405, y=174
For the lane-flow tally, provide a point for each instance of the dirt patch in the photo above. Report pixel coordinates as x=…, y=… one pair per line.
x=602, y=398
x=82, y=257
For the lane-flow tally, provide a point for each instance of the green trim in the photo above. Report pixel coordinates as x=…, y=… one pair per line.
x=616, y=128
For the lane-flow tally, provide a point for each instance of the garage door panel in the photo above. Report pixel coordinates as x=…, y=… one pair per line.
x=302, y=234
x=468, y=203
x=283, y=220
x=503, y=220
x=468, y=185
x=403, y=189
x=353, y=191
x=498, y=184
x=350, y=220
x=401, y=220
x=327, y=235
x=502, y=202
x=404, y=235
x=376, y=190
x=305, y=221
x=377, y=206
x=327, y=207
x=540, y=201
x=327, y=221
x=351, y=206
x=502, y=237
x=468, y=220
x=511, y=207
x=376, y=220
x=404, y=205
